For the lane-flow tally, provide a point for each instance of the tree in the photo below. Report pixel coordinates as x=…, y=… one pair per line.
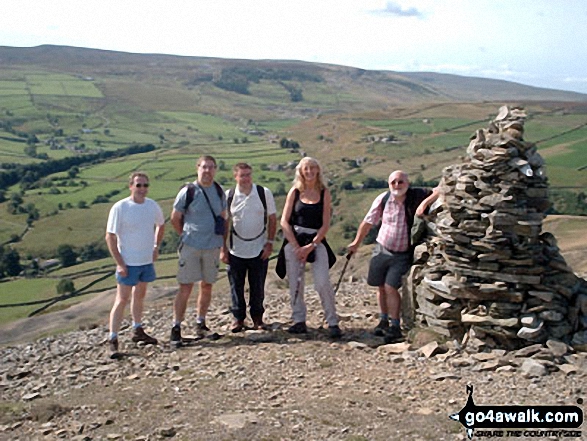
x=92, y=252
x=10, y=263
x=67, y=255
x=65, y=286
x=73, y=172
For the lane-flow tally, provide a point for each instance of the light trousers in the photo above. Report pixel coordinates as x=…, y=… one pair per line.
x=322, y=285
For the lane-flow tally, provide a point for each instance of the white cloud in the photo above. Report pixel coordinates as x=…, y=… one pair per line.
x=575, y=80
x=395, y=9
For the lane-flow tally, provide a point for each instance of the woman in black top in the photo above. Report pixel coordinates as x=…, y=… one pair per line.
x=305, y=222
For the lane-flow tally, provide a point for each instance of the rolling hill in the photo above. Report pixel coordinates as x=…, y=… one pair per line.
x=104, y=114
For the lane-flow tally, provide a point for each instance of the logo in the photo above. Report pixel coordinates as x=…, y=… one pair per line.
x=519, y=420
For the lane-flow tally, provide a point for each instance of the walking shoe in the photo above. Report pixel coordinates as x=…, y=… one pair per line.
x=238, y=326
x=113, y=348
x=298, y=328
x=259, y=324
x=175, y=339
x=393, y=335
x=139, y=335
x=381, y=328
x=334, y=332
x=201, y=328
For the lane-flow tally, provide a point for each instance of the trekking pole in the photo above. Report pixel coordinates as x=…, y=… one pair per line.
x=348, y=258
x=299, y=281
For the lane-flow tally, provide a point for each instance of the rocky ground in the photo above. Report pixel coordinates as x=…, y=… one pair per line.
x=269, y=385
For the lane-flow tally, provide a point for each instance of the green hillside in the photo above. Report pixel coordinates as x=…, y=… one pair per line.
x=74, y=123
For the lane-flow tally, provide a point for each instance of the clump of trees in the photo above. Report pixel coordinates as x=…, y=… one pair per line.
x=9, y=263
x=285, y=143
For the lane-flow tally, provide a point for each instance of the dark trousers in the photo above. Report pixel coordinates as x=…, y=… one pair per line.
x=237, y=274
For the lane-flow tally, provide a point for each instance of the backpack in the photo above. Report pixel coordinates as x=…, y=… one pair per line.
x=261, y=193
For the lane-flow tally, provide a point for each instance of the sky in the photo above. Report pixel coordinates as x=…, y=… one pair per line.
x=535, y=42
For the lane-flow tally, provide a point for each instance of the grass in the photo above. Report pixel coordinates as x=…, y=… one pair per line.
x=184, y=123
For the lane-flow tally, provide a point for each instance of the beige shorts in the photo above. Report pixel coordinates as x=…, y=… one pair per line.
x=197, y=265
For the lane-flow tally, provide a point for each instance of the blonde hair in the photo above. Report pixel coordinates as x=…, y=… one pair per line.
x=300, y=182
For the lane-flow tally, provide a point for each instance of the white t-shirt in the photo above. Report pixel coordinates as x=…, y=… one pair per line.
x=134, y=226
x=247, y=219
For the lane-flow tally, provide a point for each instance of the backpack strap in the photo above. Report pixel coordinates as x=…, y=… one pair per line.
x=384, y=202
x=219, y=190
x=261, y=193
x=191, y=191
x=229, y=201
x=189, y=195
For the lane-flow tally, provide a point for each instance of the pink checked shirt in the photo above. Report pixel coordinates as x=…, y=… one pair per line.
x=393, y=234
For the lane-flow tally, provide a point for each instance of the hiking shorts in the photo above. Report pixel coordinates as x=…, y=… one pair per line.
x=387, y=268
x=136, y=274
x=197, y=265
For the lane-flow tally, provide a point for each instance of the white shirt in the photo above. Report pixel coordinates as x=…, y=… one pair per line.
x=247, y=214
x=134, y=226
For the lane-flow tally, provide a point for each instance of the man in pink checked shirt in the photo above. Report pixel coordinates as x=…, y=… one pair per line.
x=393, y=252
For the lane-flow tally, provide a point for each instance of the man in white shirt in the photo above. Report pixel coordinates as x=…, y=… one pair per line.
x=253, y=223
x=134, y=231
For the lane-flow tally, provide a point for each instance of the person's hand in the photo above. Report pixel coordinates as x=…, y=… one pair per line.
x=352, y=247
x=155, y=254
x=302, y=253
x=122, y=270
x=224, y=255
x=267, y=250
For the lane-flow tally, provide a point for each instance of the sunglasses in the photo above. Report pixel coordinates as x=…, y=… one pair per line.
x=142, y=185
x=397, y=182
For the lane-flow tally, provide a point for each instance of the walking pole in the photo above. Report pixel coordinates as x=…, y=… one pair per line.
x=299, y=281
x=348, y=258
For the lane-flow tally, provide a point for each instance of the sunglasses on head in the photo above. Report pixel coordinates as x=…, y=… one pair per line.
x=142, y=185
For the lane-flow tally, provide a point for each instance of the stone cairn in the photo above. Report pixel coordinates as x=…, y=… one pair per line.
x=489, y=271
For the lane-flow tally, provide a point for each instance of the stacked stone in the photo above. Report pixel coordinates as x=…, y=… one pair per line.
x=491, y=269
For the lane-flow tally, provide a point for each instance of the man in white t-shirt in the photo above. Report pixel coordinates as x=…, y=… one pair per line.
x=253, y=223
x=134, y=231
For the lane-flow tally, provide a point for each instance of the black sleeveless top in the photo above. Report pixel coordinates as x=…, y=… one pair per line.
x=307, y=215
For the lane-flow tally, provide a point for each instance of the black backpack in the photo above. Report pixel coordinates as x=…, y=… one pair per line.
x=261, y=193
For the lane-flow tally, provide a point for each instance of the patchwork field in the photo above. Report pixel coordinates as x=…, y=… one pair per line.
x=360, y=125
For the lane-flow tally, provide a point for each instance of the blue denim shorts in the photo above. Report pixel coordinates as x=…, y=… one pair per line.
x=136, y=274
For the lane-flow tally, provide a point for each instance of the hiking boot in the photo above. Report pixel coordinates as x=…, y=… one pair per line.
x=238, y=326
x=298, y=328
x=139, y=335
x=393, y=335
x=381, y=328
x=201, y=328
x=259, y=324
x=334, y=332
x=113, y=348
x=175, y=339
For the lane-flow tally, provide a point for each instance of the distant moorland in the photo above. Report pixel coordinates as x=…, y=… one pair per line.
x=75, y=122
